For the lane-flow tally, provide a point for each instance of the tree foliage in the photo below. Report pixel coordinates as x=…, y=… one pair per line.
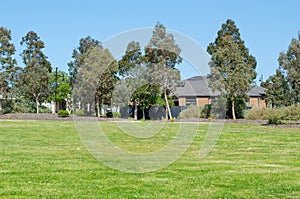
x=277, y=90
x=290, y=62
x=8, y=65
x=79, y=55
x=232, y=66
x=132, y=69
x=35, y=77
x=59, y=86
x=8, y=68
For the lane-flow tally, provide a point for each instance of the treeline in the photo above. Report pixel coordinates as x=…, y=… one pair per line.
x=143, y=76
x=22, y=89
x=94, y=74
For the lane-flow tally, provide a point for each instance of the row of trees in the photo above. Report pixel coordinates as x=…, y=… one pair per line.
x=93, y=72
x=142, y=76
x=149, y=74
x=32, y=84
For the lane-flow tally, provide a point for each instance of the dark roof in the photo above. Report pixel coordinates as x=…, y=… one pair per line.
x=256, y=91
x=197, y=86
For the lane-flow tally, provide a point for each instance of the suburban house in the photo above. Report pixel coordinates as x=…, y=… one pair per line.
x=195, y=90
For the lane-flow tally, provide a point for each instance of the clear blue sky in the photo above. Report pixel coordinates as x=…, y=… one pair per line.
x=266, y=26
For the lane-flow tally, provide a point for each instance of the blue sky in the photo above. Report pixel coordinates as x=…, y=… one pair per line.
x=267, y=27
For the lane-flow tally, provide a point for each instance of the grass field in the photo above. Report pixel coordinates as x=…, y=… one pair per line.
x=46, y=159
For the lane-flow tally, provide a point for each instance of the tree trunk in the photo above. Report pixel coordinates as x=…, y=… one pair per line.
x=37, y=104
x=233, y=109
x=135, y=109
x=144, y=114
x=0, y=105
x=166, y=113
x=98, y=109
x=167, y=103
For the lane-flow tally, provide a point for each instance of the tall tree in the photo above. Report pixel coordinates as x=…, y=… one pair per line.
x=79, y=54
x=35, y=77
x=96, y=78
x=162, y=54
x=8, y=65
x=277, y=90
x=290, y=62
x=231, y=64
x=131, y=68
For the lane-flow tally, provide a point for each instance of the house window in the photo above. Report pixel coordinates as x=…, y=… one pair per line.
x=191, y=100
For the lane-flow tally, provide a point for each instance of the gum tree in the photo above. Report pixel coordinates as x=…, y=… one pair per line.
x=79, y=55
x=96, y=78
x=35, y=77
x=8, y=65
x=162, y=54
x=277, y=90
x=290, y=62
x=231, y=64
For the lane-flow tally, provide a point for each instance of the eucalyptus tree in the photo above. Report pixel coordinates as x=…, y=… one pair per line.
x=162, y=54
x=35, y=77
x=232, y=66
x=8, y=65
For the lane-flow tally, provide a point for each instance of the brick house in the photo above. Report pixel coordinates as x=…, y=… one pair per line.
x=195, y=90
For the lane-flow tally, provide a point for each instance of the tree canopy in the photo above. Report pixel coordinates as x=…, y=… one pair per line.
x=8, y=65
x=79, y=55
x=277, y=90
x=290, y=62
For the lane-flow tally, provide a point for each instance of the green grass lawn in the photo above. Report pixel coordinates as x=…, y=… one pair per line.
x=46, y=159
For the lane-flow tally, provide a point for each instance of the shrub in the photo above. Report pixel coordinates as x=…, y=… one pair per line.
x=63, y=113
x=116, y=114
x=256, y=113
x=113, y=115
x=79, y=112
x=206, y=111
x=43, y=109
x=17, y=106
x=194, y=111
x=275, y=121
x=264, y=113
x=191, y=112
x=292, y=112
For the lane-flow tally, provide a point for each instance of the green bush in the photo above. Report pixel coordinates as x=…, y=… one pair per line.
x=275, y=121
x=79, y=112
x=287, y=113
x=206, y=111
x=292, y=112
x=116, y=114
x=264, y=113
x=113, y=115
x=17, y=106
x=63, y=113
x=194, y=111
x=43, y=109
x=256, y=113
